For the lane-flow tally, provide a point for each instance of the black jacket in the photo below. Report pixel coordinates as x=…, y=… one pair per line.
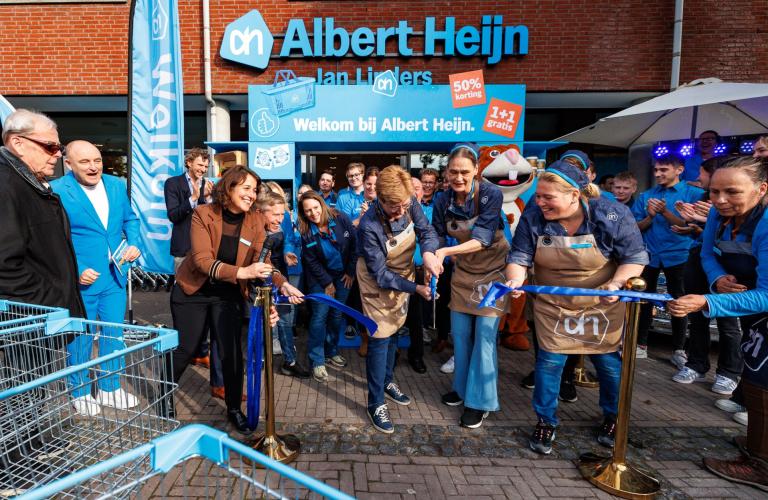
x=313, y=260
x=177, y=193
x=37, y=259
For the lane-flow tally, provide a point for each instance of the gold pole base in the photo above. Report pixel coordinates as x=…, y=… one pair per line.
x=283, y=448
x=622, y=480
x=583, y=378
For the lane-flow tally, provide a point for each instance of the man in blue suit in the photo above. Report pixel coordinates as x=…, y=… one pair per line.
x=105, y=233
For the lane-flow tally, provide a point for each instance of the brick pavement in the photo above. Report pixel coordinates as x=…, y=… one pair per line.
x=430, y=456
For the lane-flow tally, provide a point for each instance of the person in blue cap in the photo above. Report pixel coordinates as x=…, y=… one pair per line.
x=470, y=212
x=734, y=255
x=575, y=238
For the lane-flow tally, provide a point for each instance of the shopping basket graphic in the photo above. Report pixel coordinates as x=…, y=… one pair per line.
x=41, y=434
x=290, y=93
x=194, y=461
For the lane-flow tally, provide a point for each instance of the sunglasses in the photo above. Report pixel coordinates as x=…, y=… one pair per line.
x=50, y=147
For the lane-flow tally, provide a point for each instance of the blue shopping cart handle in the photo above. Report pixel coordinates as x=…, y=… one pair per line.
x=168, y=451
x=498, y=290
x=361, y=318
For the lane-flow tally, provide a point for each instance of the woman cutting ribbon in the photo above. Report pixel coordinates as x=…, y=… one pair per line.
x=574, y=238
x=470, y=212
x=385, y=271
x=734, y=255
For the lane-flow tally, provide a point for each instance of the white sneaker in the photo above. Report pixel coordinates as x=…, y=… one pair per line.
x=688, y=376
x=86, y=406
x=320, y=374
x=276, y=348
x=723, y=385
x=741, y=417
x=119, y=399
x=729, y=406
x=641, y=352
x=448, y=366
x=679, y=359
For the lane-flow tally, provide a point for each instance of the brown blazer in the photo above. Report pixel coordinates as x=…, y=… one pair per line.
x=201, y=264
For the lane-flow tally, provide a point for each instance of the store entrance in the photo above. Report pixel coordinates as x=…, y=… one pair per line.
x=337, y=164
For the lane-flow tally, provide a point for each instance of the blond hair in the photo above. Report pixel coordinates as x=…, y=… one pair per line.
x=394, y=185
x=269, y=199
x=587, y=192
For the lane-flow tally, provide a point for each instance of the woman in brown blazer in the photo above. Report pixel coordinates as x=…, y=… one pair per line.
x=227, y=237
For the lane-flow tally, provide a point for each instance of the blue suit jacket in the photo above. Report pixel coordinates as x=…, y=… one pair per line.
x=92, y=241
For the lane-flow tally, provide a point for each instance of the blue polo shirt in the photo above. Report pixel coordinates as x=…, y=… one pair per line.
x=331, y=199
x=349, y=203
x=616, y=233
x=489, y=217
x=372, y=243
x=666, y=248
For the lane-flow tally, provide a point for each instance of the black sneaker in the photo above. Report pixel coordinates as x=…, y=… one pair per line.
x=294, y=370
x=568, y=391
x=606, y=434
x=393, y=392
x=452, y=399
x=542, y=438
x=472, y=418
x=350, y=333
x=529, y=381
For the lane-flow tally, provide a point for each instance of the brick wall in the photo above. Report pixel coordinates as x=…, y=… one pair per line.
x=596, y=45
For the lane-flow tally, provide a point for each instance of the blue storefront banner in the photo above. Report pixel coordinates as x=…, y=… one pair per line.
x=5, y=109
x=157, y=124
x=299, y=110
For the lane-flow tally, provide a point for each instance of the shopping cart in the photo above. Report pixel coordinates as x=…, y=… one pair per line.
x=290, y=93
x=194, y=461
x=41, y=434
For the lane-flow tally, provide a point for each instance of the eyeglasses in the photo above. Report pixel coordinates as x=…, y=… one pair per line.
x=352, y=176
x=397, y=206
x=50, y=147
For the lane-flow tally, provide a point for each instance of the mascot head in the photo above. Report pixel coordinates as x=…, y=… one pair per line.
x=503, y=166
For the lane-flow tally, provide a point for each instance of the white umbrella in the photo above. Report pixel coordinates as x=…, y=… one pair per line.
x=706, y=104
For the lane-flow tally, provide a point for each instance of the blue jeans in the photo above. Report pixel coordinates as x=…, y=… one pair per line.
x=285, y=326
x=549, y=368
x=107, y=306
x=379, y=368
x=477, y=369
x=325, y=326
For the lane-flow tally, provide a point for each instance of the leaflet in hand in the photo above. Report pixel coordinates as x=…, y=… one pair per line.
x=120, y=264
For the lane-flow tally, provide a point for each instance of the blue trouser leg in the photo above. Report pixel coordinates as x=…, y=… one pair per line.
x=285, y=326
x=317, y=330
x=335, y=321
x=476, y=370
x=608, y=368
x=112, y=304
x=80, y=349
x=549, y=369
x=379, y=368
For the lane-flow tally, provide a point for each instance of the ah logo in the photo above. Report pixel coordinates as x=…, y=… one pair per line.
x=248, y=41
x=385, y=84
x=159, y=21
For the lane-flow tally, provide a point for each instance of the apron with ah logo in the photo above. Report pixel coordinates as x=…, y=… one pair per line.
x=388, y=308
x=473, y=273
x=575, y=325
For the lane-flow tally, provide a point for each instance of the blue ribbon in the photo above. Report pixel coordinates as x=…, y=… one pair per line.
x=433, y=286
x=253, y=366
x=497, y=290
x=361, y=318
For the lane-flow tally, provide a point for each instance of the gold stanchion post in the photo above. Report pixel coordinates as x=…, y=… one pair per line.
x=582, y=377
x=283, y=448
x=614, y=474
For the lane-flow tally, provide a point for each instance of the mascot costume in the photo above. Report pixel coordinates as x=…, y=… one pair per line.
x=503, y=166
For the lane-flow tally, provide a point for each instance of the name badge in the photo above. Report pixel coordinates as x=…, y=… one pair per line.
x=581, y=245
x=717, y=250
x=245, y=242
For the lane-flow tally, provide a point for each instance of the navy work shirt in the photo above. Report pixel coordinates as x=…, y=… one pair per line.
x=372, y=243
x=616, y=233
x=488, y=218
x=314, y=260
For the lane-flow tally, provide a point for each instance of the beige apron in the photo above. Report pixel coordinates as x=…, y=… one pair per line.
x=474, y=272
x=389, y=308
x=575, y=325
